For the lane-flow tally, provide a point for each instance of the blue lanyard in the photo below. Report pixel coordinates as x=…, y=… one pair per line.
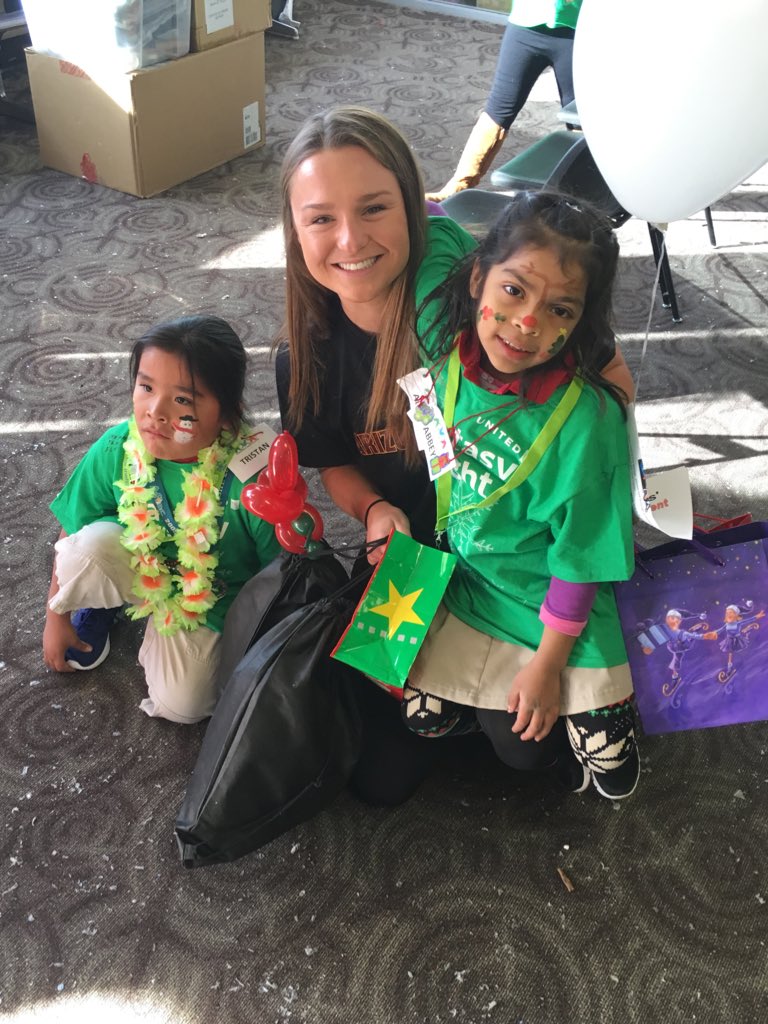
x=163, y=508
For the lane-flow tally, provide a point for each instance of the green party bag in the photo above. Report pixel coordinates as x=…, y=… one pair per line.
x=394, y=613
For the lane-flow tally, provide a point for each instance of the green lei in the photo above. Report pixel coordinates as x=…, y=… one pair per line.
x=174, y=600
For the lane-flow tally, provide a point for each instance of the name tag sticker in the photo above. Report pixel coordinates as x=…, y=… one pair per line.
x=253, y=457
x=432, y=436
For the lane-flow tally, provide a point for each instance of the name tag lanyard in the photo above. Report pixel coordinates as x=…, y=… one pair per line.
x=529, y=461
x=162, y=505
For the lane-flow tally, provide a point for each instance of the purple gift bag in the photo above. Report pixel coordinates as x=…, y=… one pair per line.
x=694, y=621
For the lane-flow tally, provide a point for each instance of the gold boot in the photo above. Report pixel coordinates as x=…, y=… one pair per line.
x=481, y=147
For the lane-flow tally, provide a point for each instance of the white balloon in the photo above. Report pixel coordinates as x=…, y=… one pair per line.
x=671, y=96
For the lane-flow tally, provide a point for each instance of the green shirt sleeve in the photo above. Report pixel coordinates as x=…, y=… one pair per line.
x=591, y=522
x=90, y=493
x=447, y=243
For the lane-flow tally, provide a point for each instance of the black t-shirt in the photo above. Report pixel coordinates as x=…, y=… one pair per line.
x=337, y=436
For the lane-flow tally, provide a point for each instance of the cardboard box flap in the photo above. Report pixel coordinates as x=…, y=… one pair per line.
x=148, y=130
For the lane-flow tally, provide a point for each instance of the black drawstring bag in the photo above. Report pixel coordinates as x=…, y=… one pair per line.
x=285, y=734
x=289, y=582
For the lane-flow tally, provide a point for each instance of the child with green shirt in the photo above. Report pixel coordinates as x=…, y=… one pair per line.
x=537, y=504
x=151, y=517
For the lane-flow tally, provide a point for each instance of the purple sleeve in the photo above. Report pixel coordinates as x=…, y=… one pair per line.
x=567, y=606
x=435, y=209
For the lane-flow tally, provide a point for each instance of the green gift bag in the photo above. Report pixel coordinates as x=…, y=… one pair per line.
x=394, y=613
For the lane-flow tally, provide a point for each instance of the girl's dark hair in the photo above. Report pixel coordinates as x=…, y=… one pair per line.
x=580, y=235
x=308, y=304
x=213, y=354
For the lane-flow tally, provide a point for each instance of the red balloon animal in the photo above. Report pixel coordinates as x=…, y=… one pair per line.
x=279, y=497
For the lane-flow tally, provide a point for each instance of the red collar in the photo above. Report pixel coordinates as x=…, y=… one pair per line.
x=539, y=387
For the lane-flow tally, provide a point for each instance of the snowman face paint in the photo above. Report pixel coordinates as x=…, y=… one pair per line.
x=185, y=430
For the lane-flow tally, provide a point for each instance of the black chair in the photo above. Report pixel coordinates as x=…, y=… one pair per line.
x=570, y=115
x=562, y=161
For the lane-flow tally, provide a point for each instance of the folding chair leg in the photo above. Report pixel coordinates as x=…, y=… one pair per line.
x=710, y=227
x=661, y=259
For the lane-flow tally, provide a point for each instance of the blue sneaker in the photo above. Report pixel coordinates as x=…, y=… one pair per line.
x=92, y=625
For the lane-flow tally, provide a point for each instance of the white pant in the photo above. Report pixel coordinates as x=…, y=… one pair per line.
x=93, y=570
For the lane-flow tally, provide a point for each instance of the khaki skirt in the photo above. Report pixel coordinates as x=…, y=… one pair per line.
x=459, y=663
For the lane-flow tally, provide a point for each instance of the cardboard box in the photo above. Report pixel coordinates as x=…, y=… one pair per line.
x=220, y=21
x=148, y=130
x=121, y=35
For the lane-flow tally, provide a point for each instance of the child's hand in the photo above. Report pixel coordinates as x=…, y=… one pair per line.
x=535, y=696
x=58, y=635
x=383, y=518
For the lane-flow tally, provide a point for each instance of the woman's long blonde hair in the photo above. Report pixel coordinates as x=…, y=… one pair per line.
x=307, y=303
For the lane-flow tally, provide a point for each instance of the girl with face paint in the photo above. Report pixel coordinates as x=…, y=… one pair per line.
x=537, y=506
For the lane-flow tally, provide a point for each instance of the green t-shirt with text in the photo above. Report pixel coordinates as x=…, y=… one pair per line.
x=572, y=518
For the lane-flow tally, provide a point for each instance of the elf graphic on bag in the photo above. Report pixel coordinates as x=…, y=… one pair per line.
x=702, y=667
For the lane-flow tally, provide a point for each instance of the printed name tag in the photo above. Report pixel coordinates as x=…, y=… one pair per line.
x=253, y=457
x=429, y=426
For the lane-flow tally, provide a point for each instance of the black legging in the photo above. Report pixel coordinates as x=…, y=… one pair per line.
x=603, y=740
x=434, y=718
x=525, y=53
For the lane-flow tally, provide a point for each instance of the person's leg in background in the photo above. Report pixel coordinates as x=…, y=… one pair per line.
x=560, y=50
x=524, y=55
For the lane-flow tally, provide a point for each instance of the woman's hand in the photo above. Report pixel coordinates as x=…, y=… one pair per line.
x=353, y=494
x=535, y=697
x=382, y=519
x=58, y=635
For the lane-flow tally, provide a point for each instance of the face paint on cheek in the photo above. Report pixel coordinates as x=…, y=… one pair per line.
x=560, y=340
x=486, y=313
x=184, y=429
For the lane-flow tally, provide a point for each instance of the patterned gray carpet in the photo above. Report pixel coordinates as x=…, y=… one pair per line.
x=449, y=908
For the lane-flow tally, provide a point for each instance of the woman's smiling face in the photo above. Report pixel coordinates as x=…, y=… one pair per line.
x=351, y=224
x=527, y=308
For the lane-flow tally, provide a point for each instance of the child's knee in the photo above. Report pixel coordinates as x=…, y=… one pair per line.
x=521, y=755
x=92, y=569
x=99, y=541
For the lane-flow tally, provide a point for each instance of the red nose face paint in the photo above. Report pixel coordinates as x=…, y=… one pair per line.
x=529, y=321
